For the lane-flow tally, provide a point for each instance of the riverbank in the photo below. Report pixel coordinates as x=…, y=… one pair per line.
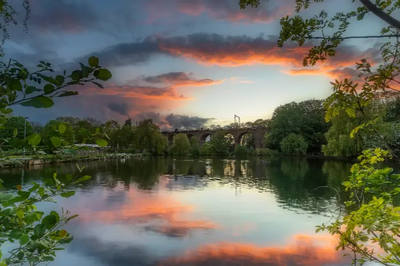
x=27, y=162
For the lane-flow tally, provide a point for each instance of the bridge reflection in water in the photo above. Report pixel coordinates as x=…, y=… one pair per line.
x=166, y=211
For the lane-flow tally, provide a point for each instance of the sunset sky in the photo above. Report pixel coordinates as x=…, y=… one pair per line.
x=172, y=59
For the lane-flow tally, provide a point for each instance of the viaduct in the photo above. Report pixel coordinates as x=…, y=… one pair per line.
x=237, y=133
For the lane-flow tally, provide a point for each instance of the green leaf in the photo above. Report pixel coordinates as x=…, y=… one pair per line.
x=47, y=258
x=82, y=179
x=101, y=142
x=67, y=194
x=15, y=132
x=93, y=61
x=3, y=263
x=34, y=188
x=15, y=85
x=30, y=89
x=20, y=255
x=56, y=141
x=68, y=93
x=361, y=16
x=103, y=74
x=48, y=88
x=98, y=84
x=24, y=194
x=33, y=259
x=60, y=80
x=23, y=240
x=39, y=230
x=49, y=221
x=16, y=234
x=5, y=197
x=55, y=214
x=62, y=128
x=69, y=177
x=76, y=75
x=39, y=102
x=34, y=139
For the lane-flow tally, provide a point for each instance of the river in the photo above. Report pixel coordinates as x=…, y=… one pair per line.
x=165, y=211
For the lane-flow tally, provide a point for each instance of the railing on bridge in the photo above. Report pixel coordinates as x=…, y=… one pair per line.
x=207, y=129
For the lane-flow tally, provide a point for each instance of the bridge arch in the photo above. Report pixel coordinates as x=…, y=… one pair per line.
x=205, y=137
x=244, y=137
x=189, y=135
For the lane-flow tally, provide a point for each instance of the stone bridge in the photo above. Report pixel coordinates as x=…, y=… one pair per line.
x=237, y=133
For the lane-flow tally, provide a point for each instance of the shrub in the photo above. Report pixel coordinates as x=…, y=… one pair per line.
x=241, y=151
x=294, y=144
x=267, y=152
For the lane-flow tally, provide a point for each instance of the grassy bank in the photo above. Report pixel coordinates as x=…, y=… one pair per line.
x=14, y=161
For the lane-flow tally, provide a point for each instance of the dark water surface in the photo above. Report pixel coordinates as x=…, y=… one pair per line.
x=162, y=211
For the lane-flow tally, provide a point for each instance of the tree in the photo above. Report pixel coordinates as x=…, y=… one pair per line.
x=149, y=138
x=37, y=127
x=241, y=151
x=111, y=129
x=50, y=131
x=194, y=146
x=249, y=141
x=339, y=141
x=160, y=144
x=261, y=123
x=305, y=118
x=294, y=144
x=16, y=125
x=181, y=145
x=220, y=144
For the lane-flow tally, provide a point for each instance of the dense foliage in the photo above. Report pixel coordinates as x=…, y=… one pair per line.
x=305, y=118
x=294, y=144
x=181, y=145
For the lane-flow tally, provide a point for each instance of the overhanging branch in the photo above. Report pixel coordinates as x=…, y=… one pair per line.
x=381, y=14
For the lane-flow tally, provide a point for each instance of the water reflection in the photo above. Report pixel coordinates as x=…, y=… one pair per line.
x=166, y=211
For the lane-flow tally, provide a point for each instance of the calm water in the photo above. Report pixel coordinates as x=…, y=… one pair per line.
x=199, y=212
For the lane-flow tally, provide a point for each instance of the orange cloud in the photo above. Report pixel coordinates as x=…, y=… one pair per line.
x=142, y=92
x=239, y=55
x=302, y=250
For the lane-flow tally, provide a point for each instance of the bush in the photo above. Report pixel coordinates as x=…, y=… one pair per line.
x=267, y=152
x=206, y=149
x=241, y=151
x=294, y=144
x=194, y=146
x=181, y=145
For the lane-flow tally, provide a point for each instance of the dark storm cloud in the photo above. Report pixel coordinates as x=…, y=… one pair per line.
x=185, y=121
x=179, y=79
x=50, y=15
x=77, y=16
x=120, y=108
x=216, y=49
x=155, y=117
x=125, y=54
x=230, y=10
x=172, y=121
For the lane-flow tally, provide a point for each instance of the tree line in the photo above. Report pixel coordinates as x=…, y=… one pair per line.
x=295, y=128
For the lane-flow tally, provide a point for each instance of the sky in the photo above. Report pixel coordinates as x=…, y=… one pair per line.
x=181, y=62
